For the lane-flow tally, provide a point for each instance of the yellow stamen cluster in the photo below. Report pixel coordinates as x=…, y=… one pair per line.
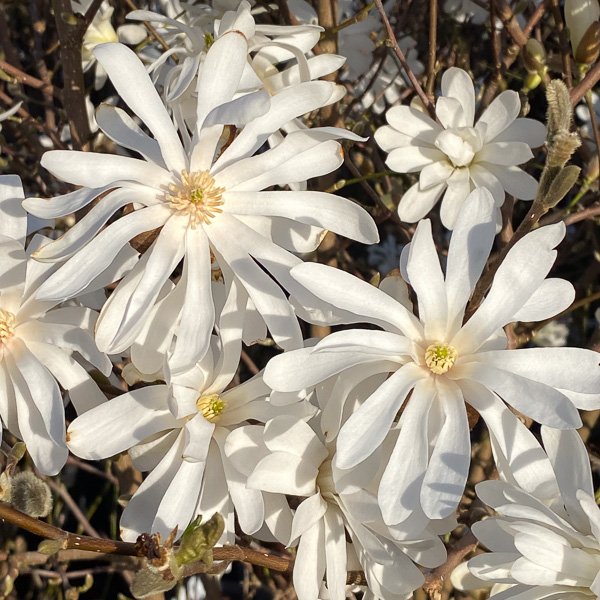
x=440, y=357
x=211, y=407
x=7, y=325
x=197, y=196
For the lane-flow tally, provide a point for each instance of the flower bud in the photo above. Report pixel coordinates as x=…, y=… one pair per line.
x=582, y=20
x=30, y=495
x=534, y=56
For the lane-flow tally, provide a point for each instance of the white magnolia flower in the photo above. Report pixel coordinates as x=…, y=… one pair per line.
x=41, y=345
x=540, y=547
x=37, y=346
x=177, y=431
x=270, y=47
x=203, y=198
x=460, y=155
x=442, y=361
x=288, y=457
x=101, y=31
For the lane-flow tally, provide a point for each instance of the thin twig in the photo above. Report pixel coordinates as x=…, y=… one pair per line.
x=432, y=56
x=590, y=80
x=29, y=80
x=392, y=42
x=564, y=43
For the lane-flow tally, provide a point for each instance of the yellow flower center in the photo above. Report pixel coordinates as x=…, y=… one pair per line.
x=440, y=357
x=211, y=407
x=7, y=325
x=196, y=196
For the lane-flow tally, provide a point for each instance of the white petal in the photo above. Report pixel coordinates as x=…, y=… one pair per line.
x=77, y=273
x=177, y=507
x=267, y=296
x=504, y=153
x=568, y=368
x=123, y=130
x=457, y=84
x=349, y=293
x=412, y=123
x=469, y=249
x=413, y=158
x=14, y=217
x=571, y=463
x=400, y=488
x=367, y=427
x=335, y=553
x=284, y=473
x=325, y=211
x=542, y=403
x=83, y=390
x=78, y=236
x=416, y=203
x=40, y=413
x=139, y=514
x=514, y=180
x=286, y=105
x=94, y=170
x=198, y=434
x=552, y=297
x=517, y=278
x=458, y=190
x=427, y=279
x=310, y=563
x=517, y=453
x=120, y=423
x=499, y=115
x=529, y=131
x=448, y=467
x=308, y=513
x=128, y=74
x=198, y=312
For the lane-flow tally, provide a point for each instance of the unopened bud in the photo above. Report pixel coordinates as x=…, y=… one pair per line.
x=582, y=17
x=30, y=495
x=198, y=540
x=534, y=56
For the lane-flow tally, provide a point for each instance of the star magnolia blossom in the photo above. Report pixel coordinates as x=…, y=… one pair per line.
x=288, y=457
x=269, y=46
x=204, y=201
x=542, y=548
x=37, y=343
x=458, y=155
x=444, y=362
x=177, y=432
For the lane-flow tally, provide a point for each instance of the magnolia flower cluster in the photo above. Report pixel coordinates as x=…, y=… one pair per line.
x=354, y=448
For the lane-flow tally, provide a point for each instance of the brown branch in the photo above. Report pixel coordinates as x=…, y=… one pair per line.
x=564, y=43
x=434, y=581
x=433, y=12
x=69, y=540
x=590, y=80
x=70, y=34
x=28, y=80
x=392, y=42
x=81, y=547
